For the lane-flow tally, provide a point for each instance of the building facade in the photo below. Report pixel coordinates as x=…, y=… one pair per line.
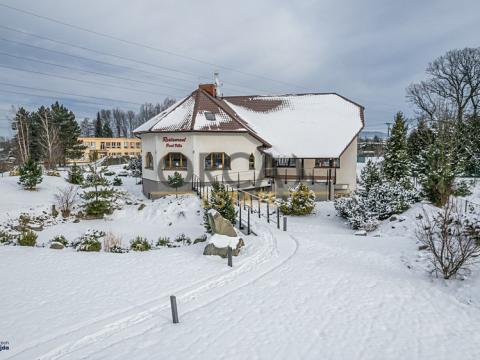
x=109, y=147
x=254, y=142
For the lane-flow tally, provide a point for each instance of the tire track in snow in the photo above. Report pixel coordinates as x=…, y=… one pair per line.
x=92, y=331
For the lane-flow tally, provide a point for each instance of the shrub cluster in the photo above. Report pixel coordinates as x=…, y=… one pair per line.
x=140, y=244
x=90, y=241
x=301, y=201
x=27, y=238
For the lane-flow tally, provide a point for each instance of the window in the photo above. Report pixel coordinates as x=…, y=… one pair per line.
x=125, y=145
x=327, y=163
x=175, y=161
x=132, y=145
x=108, y=145
x=102, y=146
x=138, y=145
x=217, y=161
x=149, y=161
x=210, y=116
x=251, y=162
x=285, y=162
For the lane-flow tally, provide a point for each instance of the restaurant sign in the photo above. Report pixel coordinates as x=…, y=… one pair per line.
x=171, y=142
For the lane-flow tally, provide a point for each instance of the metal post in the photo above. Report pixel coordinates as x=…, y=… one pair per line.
x=238, y=199
x=268, y=212
x=285, y=175
x=240, y=226
x=254, y=180
x=244, y=204
x=278, y=218
x=259, y=216
x=248, y=223
x=173, y=303
x=251, y=203
x=466, y=205
x=238, y=180
x=229, y=256
x=313, y=176
x=284, y=223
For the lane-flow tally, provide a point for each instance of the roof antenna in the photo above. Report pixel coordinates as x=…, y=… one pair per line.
x=218, y=84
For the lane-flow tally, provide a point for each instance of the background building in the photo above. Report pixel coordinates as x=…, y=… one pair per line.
x=110, y=147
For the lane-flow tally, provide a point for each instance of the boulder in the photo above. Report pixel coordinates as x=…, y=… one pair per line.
x=56, y=245
x=218, y=245
x=35, y=226
x=361, y=233
x=219, y=224
x=393, y=218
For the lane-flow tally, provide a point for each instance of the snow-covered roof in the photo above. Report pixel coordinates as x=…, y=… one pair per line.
x=307, y=125
x=302, y=125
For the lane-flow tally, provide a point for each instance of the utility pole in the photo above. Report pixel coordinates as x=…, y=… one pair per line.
x=388, y=130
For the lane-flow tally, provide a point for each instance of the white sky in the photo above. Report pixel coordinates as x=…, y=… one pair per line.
x=368, y=50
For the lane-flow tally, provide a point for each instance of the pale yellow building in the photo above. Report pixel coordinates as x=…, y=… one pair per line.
x=110, y=147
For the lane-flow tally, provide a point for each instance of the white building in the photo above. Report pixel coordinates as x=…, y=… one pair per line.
x=254, y=141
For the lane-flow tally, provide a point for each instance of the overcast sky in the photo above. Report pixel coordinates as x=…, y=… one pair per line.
x=368, y=51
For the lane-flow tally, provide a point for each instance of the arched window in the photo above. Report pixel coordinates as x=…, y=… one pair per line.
x=214, y=161
x=149, y=161
x=175, y=161
x=251, y=162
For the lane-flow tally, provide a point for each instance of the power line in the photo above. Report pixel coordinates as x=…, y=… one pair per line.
x=59, y=98
x=130, y=42
x=84, y=81
x=87, y=71
x=124, y=58
x=66, y=93
x=88, y=59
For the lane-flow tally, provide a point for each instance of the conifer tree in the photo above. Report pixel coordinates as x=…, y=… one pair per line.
x=396, y=164
x=370, y=175
x=98, y=195
x=300, y=202
x=98, y=126
x=30, y=174
x=176, y=180
x=419, y=142
x=69, y=131
x=75, y=175
x=107, y=130
x=220, y=200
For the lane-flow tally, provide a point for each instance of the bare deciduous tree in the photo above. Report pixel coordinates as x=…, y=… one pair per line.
x=111, y=242
x=452, y=240
x=49, y=138
x=66, y=197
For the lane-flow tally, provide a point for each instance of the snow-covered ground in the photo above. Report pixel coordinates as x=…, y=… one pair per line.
x=314, y=292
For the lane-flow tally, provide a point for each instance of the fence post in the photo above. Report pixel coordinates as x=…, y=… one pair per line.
x=313, y=176
x=466, y=205
x=278, y=218
x=238, y=199
x=238, y=180
x=229, y=256
x=240, y=226
x=173, y=303
x=284, y=223
x=268, y=212
x=285, y=175
x=259, y=208
x=251, y=203
x=254, y=179
x=244, y=204
x=248, y=223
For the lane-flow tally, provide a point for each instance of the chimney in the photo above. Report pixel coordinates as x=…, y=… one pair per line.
x=209, y=88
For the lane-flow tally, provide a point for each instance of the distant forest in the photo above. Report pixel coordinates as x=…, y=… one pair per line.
x=120, y=123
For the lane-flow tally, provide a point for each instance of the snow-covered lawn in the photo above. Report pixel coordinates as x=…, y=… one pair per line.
x=314, y=292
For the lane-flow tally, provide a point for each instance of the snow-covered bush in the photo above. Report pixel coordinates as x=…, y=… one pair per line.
x=163, y=241
x=60, y=239
x=140, y=244
x=53, y=173
x=452, y=240
x=200, y=239
x=375, y=200
x=117, y=181
x=75, y=175
x=6, y=238
x=90, y=241
x=28, y=238
x=98, y=197
x=462, y=188
x=301, y=201
x=184, y=239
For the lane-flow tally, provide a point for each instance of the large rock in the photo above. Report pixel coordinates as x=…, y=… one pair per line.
x=219, y=224
x=218, y=245
x=56, y=245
